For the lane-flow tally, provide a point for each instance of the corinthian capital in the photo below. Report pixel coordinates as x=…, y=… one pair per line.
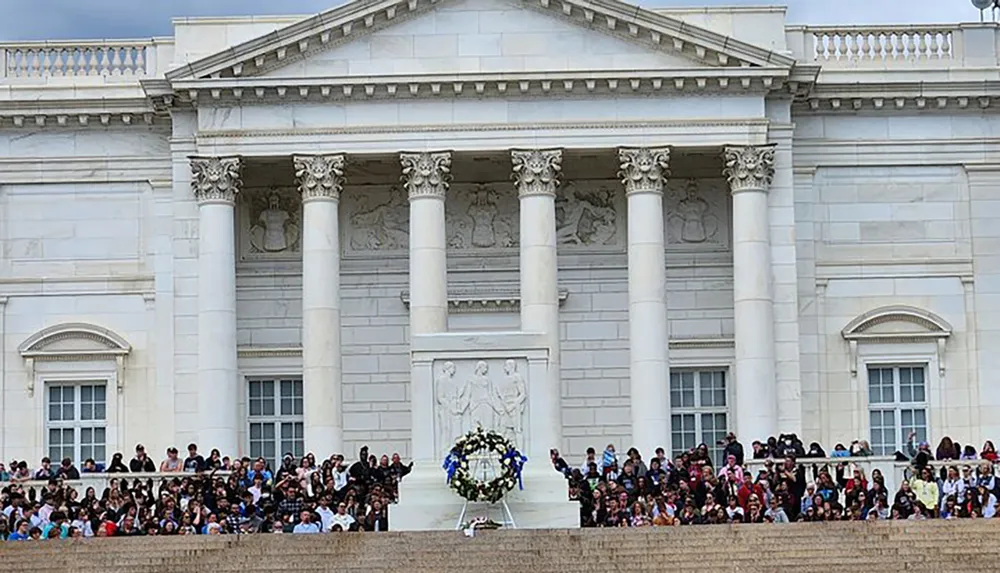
x=644, y=169
x=319, y=176
x=426, y=174
x=536, y=171
x=749, y=167
x=216, y=179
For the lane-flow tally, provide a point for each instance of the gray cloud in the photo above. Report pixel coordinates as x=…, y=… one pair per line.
x=93, y=19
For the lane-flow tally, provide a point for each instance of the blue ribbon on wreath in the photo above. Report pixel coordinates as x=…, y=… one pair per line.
x=516, y=463
x=450, y=465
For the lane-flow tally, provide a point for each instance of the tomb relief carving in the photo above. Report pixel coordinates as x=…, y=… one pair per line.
x=587, y=214
x=272, y=226
x=482, y=217
x=488, y=393
x=696, y=214
x=378, y=220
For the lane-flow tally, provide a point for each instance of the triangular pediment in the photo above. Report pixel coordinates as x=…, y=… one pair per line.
x=389, y=37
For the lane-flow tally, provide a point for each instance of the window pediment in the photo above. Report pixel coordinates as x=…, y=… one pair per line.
x=897, y=324
x=74, y=342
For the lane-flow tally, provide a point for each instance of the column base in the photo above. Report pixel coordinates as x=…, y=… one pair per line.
x=427, y=503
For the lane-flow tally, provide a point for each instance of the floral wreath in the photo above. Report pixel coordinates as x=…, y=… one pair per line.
x=460, y=477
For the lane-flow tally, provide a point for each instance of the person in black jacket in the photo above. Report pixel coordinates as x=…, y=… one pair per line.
x=141, y=462
x=732, y=448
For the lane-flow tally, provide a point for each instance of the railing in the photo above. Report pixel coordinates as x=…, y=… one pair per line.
x=79, y=59
x=892, y=470
x=101, y=481
x=878, y=46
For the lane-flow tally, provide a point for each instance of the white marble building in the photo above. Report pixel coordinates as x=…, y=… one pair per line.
x=255, y=234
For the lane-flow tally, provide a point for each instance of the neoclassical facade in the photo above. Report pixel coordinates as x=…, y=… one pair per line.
x=579, y=222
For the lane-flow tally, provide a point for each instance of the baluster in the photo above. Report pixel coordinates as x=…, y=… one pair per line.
x=923, y=48
x=822, y=46
x=36, y=57
x=76, y=64
x=140, y=61
x=92, y=61
x=128, y=68
x=46, y=63
x=883, y=45
x=105, y=66
x=866, y=46
x=117, y=64
x=14, y=63
x=897, y=44
x=946, y=45
x=911, y=46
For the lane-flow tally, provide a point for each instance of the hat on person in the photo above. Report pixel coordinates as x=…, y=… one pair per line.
x=139, y=447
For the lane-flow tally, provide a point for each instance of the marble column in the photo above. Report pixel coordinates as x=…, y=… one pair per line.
x=643, y=172
x=536, y=178
x=320, y=179
x=426, y=177
x=216, y=181
x=749, y=170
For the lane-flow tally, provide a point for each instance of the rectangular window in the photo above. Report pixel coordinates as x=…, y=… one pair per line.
x=76, y=421
x=897, y=406
x=698, y=411
x=275, y=419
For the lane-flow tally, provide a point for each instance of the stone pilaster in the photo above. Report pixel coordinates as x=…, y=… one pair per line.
x=644, y=172
x=426, y=177
x=216, y=181
x=750, y=170
x=536, y=174
x=320, y=179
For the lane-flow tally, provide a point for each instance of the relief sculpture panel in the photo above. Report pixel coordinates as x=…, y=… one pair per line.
x=482, y=216
x=588, y=214
x=697, y=214
x=378, y=219
x=271, y=223
x=489, y=393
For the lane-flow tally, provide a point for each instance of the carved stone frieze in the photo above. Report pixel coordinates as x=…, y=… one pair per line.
x=588, y=214
x=482, y=216
x=536, y=171
x=377, y=218
x=426, y=174
x=489, y=392
x=696, y=213
x=749, y=167
x=272, y=225
x=319, y=176
x=216, y=179
x=644, y=169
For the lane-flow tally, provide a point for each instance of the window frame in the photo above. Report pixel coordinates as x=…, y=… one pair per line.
x=76, y=381
x=276, y=418
x=698, y=410
x=896, y=406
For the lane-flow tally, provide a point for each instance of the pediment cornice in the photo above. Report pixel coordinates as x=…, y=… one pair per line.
x=345, y=23
x=506, y=84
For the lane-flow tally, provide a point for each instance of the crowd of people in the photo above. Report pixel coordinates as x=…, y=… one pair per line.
x=208, y=496
x=217, y=495
x=953, y=482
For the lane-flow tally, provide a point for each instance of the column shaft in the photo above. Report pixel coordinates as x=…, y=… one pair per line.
x=536, y=174
x=320, y=180
x=216, y=182
x=750, y=170
x=426, y=177
x=643, y=173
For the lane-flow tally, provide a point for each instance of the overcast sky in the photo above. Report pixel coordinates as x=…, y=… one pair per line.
x=91, y=19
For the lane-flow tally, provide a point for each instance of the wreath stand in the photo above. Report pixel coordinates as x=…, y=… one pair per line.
x=485, y=464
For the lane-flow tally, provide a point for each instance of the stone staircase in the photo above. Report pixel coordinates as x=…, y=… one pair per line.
x=929, y=546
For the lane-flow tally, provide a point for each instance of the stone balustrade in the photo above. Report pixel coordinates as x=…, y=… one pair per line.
x=890, y=47
x=101, y=481
x=126, y=58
